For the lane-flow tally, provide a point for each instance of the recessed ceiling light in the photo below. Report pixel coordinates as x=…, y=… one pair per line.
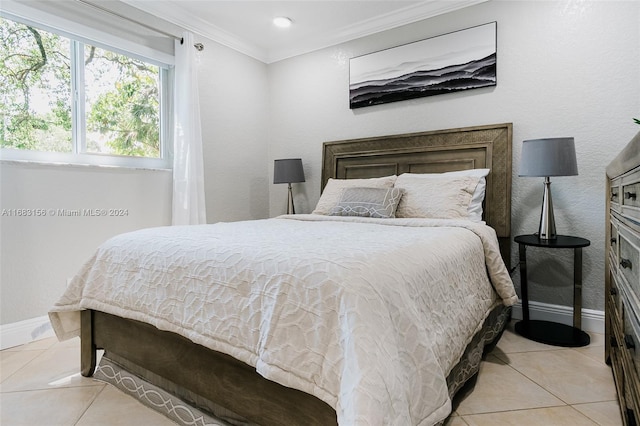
x=282, y=22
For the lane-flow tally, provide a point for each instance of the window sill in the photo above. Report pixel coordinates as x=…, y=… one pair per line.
x=83, y=160
x=32, y=163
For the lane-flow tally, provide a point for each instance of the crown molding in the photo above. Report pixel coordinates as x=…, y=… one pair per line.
x=199, y=26
x=397, y=18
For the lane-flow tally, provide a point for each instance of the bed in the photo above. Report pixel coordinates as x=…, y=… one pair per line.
x=209, y=355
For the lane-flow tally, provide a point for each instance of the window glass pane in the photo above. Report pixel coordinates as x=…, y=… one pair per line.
x=35, y=89
x=122, y=104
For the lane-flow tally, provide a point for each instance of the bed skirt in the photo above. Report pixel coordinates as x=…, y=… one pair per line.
x=158, y=399
x=481, y=343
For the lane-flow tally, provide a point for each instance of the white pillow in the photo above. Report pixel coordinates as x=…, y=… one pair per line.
x=333, y=190
x=475, y=206
x=438, y=197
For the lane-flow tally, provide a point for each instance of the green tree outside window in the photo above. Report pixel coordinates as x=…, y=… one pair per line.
x=118, y=97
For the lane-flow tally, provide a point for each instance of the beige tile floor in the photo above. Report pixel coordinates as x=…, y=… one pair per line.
x=520, y=383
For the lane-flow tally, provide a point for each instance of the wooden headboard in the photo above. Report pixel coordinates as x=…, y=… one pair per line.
x=437, y=151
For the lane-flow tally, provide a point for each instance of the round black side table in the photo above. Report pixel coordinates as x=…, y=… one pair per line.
x=548, y=332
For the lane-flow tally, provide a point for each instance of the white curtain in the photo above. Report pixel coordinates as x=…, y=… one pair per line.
x=188, y=174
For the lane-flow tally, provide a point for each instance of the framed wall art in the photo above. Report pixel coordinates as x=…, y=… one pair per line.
x=451, y=62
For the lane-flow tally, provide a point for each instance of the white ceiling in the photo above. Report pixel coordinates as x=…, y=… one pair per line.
x=247, y=26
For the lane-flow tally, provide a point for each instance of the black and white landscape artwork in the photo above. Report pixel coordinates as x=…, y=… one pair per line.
x=448, y=63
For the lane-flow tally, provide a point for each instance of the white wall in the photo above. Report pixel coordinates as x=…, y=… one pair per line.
x=40, y=253
x=233, y=104
x=565, y=68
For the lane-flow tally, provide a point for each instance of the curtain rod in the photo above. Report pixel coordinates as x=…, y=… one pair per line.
x=198, y=46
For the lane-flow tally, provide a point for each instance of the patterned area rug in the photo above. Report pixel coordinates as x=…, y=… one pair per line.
x=156, y=398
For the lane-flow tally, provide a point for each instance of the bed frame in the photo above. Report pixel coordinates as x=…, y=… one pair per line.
x=210, y=380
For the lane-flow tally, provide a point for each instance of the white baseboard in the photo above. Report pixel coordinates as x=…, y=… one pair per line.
x=19, y=333
x=592, y=320
x=27, y=331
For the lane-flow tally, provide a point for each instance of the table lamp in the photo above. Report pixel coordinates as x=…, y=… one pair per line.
x=545, y=158
x=288, y=170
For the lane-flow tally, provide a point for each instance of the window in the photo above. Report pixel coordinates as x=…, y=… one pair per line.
x=67, y=100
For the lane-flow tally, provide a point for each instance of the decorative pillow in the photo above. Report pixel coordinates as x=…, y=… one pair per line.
x=475, y=206
x=441, y=197
x=368, y=202
x=333, y=190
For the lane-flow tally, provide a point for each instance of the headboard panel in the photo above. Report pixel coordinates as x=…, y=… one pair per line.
x=434, y=152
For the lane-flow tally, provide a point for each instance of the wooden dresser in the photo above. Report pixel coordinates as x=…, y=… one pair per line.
x=622, y=278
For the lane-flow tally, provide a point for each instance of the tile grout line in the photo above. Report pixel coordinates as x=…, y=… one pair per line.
x=530, y=409
x=573, y=406
x=90, y=404
x=42, y=351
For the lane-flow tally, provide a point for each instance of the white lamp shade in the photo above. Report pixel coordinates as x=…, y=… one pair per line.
x=548, y=157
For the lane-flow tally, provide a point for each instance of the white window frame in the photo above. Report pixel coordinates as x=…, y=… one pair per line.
x=79, y=154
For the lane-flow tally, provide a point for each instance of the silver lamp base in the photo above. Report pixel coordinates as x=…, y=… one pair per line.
x=290, y=207
x=547, y=229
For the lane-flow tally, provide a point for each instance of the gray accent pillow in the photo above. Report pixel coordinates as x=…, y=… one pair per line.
x=368, y=202
x=333, y=190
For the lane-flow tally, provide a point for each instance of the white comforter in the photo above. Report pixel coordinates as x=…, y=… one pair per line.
x=368, y=315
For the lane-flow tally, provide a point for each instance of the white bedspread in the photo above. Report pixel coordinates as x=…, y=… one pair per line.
x=368, y=315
